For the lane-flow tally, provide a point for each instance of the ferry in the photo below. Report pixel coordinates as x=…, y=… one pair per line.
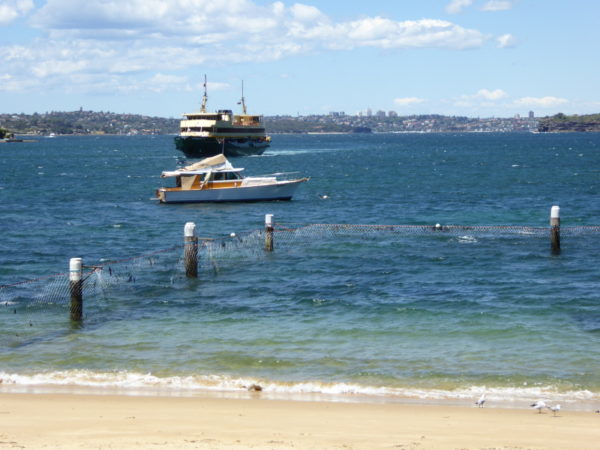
x=203, y=134
x=214, y=179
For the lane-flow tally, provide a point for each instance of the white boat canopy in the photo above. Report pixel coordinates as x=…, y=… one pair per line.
x=216, y=163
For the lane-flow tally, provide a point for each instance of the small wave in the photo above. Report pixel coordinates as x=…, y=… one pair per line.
x=139, y=383
x=297, y=152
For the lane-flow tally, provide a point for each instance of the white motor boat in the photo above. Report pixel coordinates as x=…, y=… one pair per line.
x=214, y=179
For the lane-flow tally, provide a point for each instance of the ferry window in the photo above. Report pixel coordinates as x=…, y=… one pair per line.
x=232, y=176
x=218, y=176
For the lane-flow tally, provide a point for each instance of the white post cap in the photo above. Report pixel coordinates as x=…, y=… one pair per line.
x=555, y=212
x=269, y=220
x=75, y=269
x=190, y=229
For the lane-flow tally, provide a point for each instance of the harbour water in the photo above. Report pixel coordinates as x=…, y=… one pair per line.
x=400, y=316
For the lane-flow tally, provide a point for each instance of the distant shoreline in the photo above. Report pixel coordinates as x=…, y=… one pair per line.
x=106, y=123
x=25, y=137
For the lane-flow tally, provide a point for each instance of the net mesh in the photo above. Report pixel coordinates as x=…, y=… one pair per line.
x=35, y=309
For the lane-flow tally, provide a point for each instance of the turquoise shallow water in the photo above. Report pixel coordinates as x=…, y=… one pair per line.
x=344, y=311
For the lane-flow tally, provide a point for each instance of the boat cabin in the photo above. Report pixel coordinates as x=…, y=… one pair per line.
x=207, y=180
x=210, y=173
x=247, y=121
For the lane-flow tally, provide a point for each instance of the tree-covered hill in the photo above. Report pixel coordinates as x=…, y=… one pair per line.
x=4, y=133
x=91, y=122
x=87, y=122
x=563, y=123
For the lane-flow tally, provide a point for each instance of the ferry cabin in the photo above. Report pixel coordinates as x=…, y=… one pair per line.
x=221, y=123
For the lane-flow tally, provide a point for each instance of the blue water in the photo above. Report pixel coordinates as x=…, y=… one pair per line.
x=347, y=311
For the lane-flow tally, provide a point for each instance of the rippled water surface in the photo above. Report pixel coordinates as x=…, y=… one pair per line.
x=403, y=311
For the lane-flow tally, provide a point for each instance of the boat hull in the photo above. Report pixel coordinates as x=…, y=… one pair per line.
x=202, y=147
x=282, y=190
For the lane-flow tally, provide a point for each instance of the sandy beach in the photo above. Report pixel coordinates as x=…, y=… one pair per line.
x=66, y=421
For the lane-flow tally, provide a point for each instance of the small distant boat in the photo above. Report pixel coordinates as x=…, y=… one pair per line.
x=204, y=133
x=214, y=179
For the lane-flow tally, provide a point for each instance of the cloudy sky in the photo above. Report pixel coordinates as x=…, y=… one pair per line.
x=477, y=58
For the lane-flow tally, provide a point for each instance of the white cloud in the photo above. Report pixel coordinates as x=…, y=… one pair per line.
x=135, y=39
x=456, y=6
x=483, y=98
x=305, y=13
x=380, y=32
x=407, y=101
x=506, y=41
x=482, y=94
x=236, y=21
x=12, y=9
x=540, y=102
x=490, y=95
x=498, y=5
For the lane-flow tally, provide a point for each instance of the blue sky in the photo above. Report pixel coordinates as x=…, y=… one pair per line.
x=475, y=58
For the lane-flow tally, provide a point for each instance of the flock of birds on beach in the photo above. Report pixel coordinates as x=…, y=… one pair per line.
x=539, y=405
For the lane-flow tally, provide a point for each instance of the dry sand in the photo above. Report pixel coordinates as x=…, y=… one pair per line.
x=65, y=421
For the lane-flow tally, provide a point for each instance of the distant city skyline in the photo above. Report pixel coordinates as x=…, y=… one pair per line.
x=473, y=58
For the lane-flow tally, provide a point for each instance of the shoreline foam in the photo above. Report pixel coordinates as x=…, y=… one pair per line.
x=139, y=384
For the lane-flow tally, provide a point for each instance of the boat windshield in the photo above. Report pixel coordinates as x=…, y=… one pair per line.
x=246, y=120
x=219, y=176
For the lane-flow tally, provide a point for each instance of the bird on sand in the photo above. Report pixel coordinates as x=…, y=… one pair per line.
x=481, y=401
x=539, y=405
x=555, y=408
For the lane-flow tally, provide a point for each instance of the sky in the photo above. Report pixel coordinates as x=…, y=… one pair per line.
x=474, y=58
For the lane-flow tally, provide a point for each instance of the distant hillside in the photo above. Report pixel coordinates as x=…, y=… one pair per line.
x=563, y=123
x=392, y=123
x=87, y=122
x=5, y=133
x=93, y=123
x=276, y=125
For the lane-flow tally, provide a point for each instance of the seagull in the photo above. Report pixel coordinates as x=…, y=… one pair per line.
x=555, y=409
x=539, y=405
x=481, y=401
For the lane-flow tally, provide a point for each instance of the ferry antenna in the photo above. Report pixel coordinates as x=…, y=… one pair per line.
x=243, y=101
x=204, y=97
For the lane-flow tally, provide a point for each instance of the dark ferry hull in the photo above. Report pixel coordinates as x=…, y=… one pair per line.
x=202, y=147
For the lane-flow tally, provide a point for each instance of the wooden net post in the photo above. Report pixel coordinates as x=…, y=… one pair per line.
x=190, y=257
x=269, y=232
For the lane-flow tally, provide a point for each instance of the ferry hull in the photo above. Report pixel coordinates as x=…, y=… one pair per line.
x=202, y=147
x=283, y=190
